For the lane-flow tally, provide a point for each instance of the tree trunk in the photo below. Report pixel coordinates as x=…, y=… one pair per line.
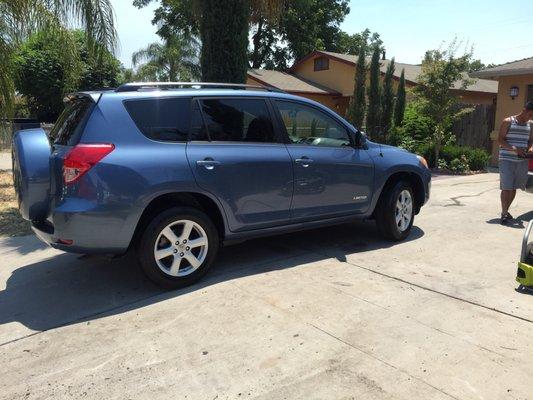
x=256, y=56
x=224, y=34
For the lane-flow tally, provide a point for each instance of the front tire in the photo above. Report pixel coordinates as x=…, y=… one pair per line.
x=395, y=212
x=177, y=248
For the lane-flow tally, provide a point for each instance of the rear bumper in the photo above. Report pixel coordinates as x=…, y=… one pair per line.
x=45, y=232
x=79, y=226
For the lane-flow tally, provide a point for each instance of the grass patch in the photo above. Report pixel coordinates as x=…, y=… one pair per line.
x=11, y=223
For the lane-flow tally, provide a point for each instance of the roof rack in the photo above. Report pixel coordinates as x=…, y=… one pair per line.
x=147, y=86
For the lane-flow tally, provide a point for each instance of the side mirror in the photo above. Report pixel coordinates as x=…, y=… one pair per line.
x=359, y=139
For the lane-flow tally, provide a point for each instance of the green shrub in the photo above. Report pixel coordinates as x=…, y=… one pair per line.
x=443, y=164
x=476, y=159
x=459, y=165
x=44, y=71
x=416, y=125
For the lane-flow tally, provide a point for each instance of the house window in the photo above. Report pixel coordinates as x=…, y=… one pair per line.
x=529, y=93
x=321, y=64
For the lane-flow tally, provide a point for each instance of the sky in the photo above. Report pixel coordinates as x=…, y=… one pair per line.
x=497, y=30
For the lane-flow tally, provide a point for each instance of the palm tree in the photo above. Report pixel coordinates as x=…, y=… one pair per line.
x=20, y=18
x=176, y=59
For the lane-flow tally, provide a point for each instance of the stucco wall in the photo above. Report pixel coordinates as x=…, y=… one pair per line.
x=507, y=106
x=339, y=76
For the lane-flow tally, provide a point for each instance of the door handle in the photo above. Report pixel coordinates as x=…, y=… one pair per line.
x=208, y=163
x=304, y=161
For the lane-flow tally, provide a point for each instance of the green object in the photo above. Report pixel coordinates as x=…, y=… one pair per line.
x=224, y=35
x=357, y=107
x=399, y=106
x=524, y=274
x=373, y=116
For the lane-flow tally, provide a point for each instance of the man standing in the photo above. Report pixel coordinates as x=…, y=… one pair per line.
x=515, y=141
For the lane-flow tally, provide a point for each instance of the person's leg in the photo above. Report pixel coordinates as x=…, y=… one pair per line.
x=507, y=197
x=506, y=186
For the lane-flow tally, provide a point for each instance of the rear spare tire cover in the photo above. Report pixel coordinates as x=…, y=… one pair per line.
x=31, y=173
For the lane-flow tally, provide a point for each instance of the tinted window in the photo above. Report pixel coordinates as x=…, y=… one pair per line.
x=307, y=125
x=162, y=119
x=237, y=120
x=69, y=126
x=198, y=131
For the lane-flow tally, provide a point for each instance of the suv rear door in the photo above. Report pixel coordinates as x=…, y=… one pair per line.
x=331, y=177
x=236, y=154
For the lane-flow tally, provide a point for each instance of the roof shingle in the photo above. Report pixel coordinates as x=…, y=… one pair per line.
x=519, y=67
x=288, y=82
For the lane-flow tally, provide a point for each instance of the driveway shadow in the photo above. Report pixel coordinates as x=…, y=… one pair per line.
x=68, y=288
x=526, y=217
x=516, y=223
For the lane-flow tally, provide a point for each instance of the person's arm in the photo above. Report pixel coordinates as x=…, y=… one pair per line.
x=530, y=143
x=504, y=128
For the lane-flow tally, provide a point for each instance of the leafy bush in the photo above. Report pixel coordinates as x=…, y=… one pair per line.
x=398, y=137
x=460, y=165
x=50, y=64
x=44, y=74
x=443, y=164
x=478, y=159
x=416, y=125
x=475, y=159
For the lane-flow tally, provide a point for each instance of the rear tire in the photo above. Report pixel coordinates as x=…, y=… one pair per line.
x=395, y=212
x=178, y=247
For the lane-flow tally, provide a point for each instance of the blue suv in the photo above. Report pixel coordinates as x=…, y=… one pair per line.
x=175, y=170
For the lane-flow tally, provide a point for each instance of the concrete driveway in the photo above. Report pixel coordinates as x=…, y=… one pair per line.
x=334, y=313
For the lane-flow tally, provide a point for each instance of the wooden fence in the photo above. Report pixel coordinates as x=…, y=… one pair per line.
x=474, y=128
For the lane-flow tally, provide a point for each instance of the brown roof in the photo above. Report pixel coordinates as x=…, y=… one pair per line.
x=412, y=71
x=288, y=82
x=519, y=67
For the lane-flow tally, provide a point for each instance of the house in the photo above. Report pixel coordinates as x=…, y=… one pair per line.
x=328, y=78
x=515, y=87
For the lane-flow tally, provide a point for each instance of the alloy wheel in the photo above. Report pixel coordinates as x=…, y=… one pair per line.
x=181, y=248
x=404, y=210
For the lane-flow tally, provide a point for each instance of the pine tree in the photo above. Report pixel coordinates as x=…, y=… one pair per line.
x=374, y=96
x=224, y=33
x=399, y=107
x=357, y=107
x=388, y=99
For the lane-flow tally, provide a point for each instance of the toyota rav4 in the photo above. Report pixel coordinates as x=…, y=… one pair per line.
x=175, y=170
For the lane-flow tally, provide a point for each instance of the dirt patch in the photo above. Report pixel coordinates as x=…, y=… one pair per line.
x=11, y=223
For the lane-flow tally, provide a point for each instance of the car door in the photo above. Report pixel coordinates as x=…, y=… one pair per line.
x=237, y=155
x=331, y=176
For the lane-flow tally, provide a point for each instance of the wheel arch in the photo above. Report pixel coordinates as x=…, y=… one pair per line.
x=165, y=201
x=414, y=179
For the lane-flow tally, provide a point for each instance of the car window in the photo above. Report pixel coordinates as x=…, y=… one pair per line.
x=166, y=119
x=68, y=127
x=307, y=125
x=237, y=120
x=198, y=131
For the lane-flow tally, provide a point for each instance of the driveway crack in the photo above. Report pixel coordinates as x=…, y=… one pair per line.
x=456, y=201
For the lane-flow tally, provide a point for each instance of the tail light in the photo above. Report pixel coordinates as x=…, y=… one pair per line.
x=82, y=158
x=531, y=165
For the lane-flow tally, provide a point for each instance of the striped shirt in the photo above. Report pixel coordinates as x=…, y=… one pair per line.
x=518, y=136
